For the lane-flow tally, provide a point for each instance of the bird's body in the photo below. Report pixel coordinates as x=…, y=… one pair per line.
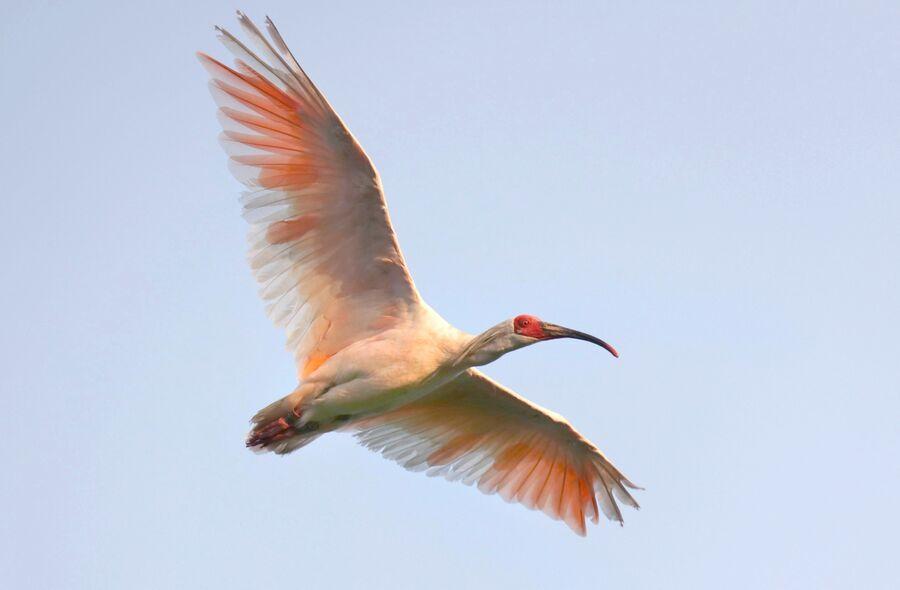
x=384, y=371
x=372, y=357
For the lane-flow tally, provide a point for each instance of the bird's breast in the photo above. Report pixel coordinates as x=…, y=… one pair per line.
x=387, y=372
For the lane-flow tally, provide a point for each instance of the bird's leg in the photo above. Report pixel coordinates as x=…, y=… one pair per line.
x=275, y=430
x=285, y=418
x=280, y=429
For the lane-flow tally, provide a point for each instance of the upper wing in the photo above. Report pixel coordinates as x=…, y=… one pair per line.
x=321, y=241
x=474, y=430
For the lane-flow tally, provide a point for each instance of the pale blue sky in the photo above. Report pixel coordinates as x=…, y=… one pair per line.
x=716, y=191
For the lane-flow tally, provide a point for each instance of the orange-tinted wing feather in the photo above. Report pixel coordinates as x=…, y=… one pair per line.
x=476, y=431
x=321, y=241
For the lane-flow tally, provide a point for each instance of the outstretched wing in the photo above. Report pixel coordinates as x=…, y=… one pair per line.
x=321, y=242
x=474, y=430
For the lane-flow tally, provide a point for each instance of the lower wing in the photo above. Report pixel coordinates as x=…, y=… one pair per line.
x=475, y=430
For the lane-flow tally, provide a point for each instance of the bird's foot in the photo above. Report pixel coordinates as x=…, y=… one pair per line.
x=271, y=432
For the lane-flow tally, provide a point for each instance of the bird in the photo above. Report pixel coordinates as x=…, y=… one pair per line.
x=374, y=359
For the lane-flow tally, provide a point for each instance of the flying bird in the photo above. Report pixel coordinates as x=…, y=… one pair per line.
x=372, y=357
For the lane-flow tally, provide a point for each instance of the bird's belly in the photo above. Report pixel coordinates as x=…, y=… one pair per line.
x=376, y=393
x=382, y=373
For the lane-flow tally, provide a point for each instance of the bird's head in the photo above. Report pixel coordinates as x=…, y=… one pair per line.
x=521, y=331
x=535, y=329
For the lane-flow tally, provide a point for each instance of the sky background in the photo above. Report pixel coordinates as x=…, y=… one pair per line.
x=715, y=191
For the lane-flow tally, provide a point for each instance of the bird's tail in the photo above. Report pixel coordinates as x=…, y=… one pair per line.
x=281, y=426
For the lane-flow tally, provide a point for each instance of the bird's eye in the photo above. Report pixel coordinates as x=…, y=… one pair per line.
x=523, y=323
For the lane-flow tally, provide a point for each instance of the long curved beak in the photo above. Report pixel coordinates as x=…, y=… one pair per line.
x=553, y=331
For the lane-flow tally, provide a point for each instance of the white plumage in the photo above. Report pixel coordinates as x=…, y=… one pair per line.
x=371, y=356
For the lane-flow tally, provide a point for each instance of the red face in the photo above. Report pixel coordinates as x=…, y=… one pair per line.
x=529, y=325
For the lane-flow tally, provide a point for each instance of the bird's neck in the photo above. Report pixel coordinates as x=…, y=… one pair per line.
x=487, y=347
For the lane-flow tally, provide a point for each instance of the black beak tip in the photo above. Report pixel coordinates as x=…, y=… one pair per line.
x=554, y=331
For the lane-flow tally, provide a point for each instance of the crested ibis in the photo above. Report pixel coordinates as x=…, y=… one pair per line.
x=372, y=357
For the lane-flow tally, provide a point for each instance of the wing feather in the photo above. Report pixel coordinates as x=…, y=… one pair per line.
x=474, y=430
x=321, y=242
